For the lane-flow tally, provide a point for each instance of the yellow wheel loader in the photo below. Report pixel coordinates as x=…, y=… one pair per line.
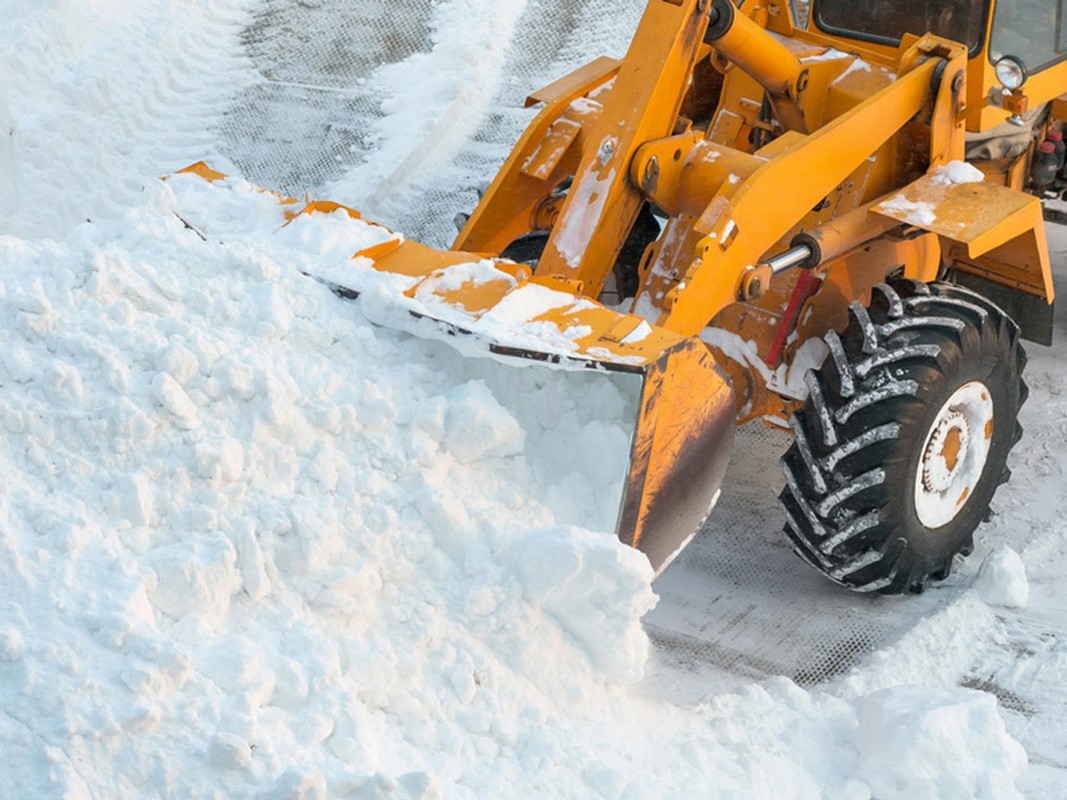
x=835, y=227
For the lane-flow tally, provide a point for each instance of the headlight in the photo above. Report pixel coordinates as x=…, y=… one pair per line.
x=1011, y=72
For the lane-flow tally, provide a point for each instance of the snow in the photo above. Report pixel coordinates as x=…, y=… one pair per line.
x=140, y=86
x=928, y=729
x=476, y=426
x=264, y=529
x=213, y=209
x=253, y=545
x=743, y=351
x=829, y=54
x=589, y=197
x=919, y=213
x=1002, y=579
x=436, y=102
x=788, y=379
x=638, y=334
x=957, y=172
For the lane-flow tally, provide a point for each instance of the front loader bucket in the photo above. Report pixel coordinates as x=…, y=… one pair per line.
x=683, y=434
x=682, y=442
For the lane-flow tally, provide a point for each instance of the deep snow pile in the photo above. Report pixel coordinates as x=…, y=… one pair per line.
x=220, y=468
x=251, y=545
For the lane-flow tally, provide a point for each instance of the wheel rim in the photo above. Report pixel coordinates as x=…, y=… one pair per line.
x=954, y=455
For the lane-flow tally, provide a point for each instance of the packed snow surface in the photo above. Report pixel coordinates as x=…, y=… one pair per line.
x=252, y=545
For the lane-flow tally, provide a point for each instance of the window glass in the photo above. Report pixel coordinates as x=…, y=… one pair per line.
x=888, y=20
x=800, y=12
x=1028, y=29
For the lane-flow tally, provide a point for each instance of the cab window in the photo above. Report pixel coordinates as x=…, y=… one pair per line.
x=1030, y=30
x=886, y=21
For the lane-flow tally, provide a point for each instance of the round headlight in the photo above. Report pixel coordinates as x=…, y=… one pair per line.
x=1011, y=72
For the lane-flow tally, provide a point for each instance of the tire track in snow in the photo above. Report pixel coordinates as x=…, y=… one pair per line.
x=143, y=88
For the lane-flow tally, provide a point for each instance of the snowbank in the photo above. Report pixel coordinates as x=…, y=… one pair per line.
x=243, y=526
x=101, y=98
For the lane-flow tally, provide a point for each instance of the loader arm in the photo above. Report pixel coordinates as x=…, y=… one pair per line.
x=742, y=221
x=546, y=154
x=602, y=203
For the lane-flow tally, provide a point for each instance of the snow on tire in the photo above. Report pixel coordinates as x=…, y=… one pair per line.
x=904, y=438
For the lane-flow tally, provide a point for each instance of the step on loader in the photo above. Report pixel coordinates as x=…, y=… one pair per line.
x=834, y=226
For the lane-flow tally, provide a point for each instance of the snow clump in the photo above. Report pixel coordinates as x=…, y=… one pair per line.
x=924, y=742
x=1002, y=579
x=957, y=172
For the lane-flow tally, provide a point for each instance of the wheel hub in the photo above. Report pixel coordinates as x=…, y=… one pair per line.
x=954, y=455
x=944, y=454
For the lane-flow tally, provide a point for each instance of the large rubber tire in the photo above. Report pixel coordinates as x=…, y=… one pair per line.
x=862, y=473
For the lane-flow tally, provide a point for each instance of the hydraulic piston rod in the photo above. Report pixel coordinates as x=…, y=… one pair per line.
x=793, y=257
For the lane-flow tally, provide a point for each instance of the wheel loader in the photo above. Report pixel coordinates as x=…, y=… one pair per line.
x=834, y=227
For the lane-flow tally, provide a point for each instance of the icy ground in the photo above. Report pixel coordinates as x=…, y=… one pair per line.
x=252, y=545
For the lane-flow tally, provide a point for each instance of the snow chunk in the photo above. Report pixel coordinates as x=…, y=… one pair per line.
x=952, y=741
x=1002, y=579
x=789, y=378
x=180, y=363
x=478, y=427
x=173, y=398
x=229, y=751
x=11, y=645
x=333, y=237
x=957, y=172
x=135, y=500
x=597, y=591
x=195, y=577
x=220, y=461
